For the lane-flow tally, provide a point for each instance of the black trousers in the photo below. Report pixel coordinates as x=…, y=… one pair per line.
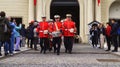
x=119, y=40
x=35, y=42
x=44, y=43
x=1, y=44
x=115, y=43
x=108, y=38
x=68, y=43
x=57, y=42
x=30, y=42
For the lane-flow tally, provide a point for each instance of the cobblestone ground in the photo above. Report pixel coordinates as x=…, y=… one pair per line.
x=83, y=56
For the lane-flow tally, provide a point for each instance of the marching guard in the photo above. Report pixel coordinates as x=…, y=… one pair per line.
x=50, y=36
x=69, y=30
x=56, y=34
x=42, y=30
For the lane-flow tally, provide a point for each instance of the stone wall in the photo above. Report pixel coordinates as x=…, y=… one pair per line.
x=15, y=8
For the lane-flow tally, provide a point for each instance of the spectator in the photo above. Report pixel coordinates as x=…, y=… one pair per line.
x=102, y=35
x=17, y=36
x=108, y=36
x=35, y=40
x=114, y=35
x=5, y=32
x=94, y=35
x=119, y=34
x=12, y=39
x=30, y=34
x=23, y=33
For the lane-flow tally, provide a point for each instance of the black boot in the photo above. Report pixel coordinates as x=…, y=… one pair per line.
x=58, y=53
x=54, y=50
x=41, y=50
x=44, y=52
x=50, y=49
x=0, y=54
x=107, y=50
x=70, y=52
x=6, y=54
x=65, y=50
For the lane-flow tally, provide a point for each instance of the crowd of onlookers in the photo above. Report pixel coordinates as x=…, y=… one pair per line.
x=110, y=33
x=13, y=35
x=10, y=34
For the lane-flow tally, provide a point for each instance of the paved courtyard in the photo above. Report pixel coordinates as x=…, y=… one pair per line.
x=83, y=56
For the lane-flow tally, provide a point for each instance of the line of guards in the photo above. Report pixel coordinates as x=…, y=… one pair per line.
x=51, y=33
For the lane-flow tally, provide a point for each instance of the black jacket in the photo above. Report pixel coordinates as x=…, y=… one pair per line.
x=114, y=29
x=30, y=33
x=6, y=35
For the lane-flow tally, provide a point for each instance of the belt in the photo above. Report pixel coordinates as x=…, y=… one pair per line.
x=40, y=31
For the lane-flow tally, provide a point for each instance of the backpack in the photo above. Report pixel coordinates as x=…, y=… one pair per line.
x=4, y=27
x=118, y=31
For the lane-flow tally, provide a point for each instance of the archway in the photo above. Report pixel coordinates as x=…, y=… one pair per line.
x=114, y=11
x=62, y=7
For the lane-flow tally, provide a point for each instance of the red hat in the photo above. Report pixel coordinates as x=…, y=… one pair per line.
x=32, y=21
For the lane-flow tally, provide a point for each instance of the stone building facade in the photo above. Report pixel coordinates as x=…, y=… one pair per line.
x=85, y=10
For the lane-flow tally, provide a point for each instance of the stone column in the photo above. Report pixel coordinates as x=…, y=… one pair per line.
x=85, y=20
x=47, y=8
x=81, y=4
x=98, y=11
x=39, y=9
x=31, y=10
x=86, y=16
x=89, y=18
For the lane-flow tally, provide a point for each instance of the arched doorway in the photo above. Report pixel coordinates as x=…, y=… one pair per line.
x=62, y=7
x=114, y=11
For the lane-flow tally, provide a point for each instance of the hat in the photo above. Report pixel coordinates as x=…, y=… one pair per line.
x=35, y=23
x=32, y=21
x=43, y=16
x=68, y=15
x=57, y=16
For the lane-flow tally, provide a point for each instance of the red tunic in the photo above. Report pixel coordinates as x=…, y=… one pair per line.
x=67, y=25
x=41, y=28
x=50, y=29
x=57, y=26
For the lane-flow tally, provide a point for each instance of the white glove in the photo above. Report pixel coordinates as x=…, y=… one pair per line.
x=71, y=30
x=45, y=31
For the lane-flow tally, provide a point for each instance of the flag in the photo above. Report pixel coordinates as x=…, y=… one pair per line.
x=98, y=2
x=35, y=2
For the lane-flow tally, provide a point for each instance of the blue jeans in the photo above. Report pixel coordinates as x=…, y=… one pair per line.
x=11, y=45
x=6, y=47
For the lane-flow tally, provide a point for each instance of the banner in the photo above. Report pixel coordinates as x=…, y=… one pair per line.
x=98, y=2
x=35, y=2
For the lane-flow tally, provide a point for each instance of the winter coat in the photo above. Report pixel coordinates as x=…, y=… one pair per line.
x=6, y=35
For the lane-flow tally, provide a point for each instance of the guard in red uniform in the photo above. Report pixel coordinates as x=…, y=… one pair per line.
x=56, y=34
x=42, y=29
x=50, y=36
x=69, y=31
